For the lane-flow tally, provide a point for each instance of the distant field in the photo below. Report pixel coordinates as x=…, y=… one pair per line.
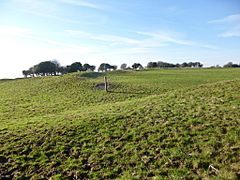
x=163, y=124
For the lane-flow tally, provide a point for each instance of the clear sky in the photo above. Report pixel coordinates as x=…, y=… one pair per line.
x=117, y=31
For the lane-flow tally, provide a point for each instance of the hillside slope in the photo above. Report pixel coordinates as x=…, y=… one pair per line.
x=189, y=132
x=50, y=95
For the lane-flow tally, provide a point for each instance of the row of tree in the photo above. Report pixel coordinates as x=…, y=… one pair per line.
x=228, y=65
x=53, y=68
x=107, y=67
x=134, y=66
x=161, y=64
x=231, y=65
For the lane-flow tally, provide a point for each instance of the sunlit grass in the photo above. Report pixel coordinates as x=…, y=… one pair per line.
x=160, y=123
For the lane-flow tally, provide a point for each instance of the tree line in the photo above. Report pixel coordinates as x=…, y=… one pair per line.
x=161, y=64
x=231, y=65
x=53, y=67
x=228, y=65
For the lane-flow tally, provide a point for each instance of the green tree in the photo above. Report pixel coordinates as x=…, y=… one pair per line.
x=26, y=73
x=63, y=70
x=184, y=64
x=92, y=68
x=45, y=68
x=86, y=67
x=152, y=65
x=114, y=67
x=230, y=65
x=75, y=67
x=137, y=66
x=104, y=67
x=123, y=66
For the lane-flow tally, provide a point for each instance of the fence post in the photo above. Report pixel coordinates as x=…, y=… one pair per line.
x=106, y=83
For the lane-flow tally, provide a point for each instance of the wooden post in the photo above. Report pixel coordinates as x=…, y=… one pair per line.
x=106, y=83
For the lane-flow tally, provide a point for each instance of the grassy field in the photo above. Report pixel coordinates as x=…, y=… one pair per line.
x=153, y=124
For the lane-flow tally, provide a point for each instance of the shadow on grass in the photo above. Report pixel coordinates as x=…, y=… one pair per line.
x=91, y=74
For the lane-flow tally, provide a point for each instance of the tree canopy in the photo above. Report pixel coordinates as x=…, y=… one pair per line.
x=123, y=66
x=46, y=68
x=75, y=67
x=161, y=64
x=137, y=66
x=106, y=67
x=53, y=68
x=231, y=65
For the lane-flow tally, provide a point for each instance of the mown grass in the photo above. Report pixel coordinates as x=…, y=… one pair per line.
x=163, y=124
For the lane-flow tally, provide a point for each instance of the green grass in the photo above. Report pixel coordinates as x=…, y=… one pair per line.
x=162, y=124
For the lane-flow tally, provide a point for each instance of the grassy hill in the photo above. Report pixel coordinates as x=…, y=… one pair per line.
x=152, y=124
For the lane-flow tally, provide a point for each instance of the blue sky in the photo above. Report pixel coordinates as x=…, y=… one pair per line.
x=117, y=31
